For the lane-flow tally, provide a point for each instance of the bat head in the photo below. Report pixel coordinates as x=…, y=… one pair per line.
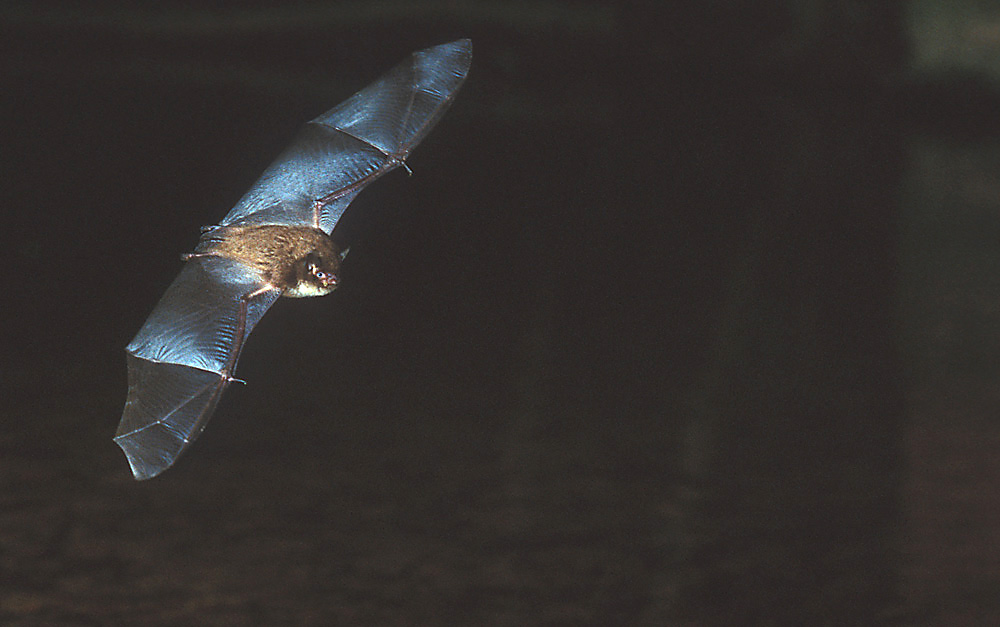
x=316, y=274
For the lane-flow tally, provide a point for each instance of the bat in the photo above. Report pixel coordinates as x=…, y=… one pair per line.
x=275, y=242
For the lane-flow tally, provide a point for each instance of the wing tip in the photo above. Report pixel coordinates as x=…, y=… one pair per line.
x=465, y=44
x=142, y=469
x=460, y=48
x=147, y=456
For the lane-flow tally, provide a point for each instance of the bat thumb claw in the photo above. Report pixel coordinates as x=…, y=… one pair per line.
x=235, y=380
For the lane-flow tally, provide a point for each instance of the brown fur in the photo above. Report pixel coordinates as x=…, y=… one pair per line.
x=277, y=251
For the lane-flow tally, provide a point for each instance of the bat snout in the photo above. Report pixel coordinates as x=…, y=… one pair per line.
x=330, y=280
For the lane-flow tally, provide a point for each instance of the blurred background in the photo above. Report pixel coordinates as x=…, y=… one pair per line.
x=689, y=315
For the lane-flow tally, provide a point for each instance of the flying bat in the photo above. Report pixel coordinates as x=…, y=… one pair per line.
x=275, y=242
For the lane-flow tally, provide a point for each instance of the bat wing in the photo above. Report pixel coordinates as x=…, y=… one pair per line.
x=183, y=358
x=336, y=155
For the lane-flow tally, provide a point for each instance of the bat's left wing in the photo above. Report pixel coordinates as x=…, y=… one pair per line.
x=183, y=358
x=336, y=155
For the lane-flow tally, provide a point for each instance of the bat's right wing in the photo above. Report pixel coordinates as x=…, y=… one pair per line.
x=336, y=155
x=184, y=357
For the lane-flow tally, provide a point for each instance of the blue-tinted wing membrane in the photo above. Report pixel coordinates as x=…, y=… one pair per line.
x=340, y=152
x=181, y=360
x=395, y=112
x=166, y=409
x=197, y=321
x=319, y=161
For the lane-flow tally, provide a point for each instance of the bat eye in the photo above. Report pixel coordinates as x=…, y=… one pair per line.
x=324, y=278
x=314, y=268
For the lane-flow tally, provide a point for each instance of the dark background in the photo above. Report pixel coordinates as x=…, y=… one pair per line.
x=666, y=327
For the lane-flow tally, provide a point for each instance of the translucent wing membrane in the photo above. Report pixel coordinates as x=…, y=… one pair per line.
x=395, y=112
x=167, y=408
x=196, y=322
x=182, y=359
x=319, y=161
x=336, y=155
